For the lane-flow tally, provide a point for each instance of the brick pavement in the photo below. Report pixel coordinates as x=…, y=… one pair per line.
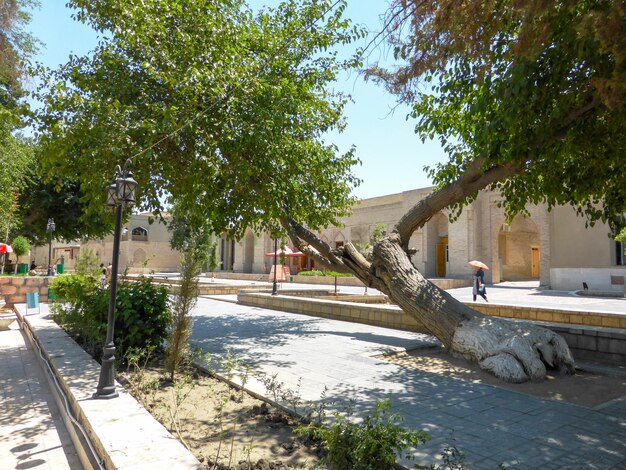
x=32, y=433
x=490, y=425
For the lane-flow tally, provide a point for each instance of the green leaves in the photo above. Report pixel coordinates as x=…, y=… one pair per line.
x=221, y=110
x=539, y=86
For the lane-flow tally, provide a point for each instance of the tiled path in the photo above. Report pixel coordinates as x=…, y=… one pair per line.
x=32, y=433
x=490, y=425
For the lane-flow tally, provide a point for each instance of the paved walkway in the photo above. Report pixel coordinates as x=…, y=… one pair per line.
x=490, y=425
x=507, y=293
x=32, y=433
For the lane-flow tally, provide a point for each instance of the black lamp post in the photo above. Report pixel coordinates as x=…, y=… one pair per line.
x=50, y=228
x=274, y=291
x=120, y=193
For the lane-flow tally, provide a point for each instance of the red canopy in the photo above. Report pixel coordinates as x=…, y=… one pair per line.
x=4, y=248
x=288, y=252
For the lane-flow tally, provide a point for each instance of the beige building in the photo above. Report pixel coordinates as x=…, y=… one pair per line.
x=144, y=247
x=554, y=247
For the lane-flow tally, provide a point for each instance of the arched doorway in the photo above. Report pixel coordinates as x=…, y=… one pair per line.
x=436, y=262
x=519, y=253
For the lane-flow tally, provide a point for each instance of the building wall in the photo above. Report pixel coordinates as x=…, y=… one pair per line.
x=153, y=254
x=582, y=254
x=569, y=253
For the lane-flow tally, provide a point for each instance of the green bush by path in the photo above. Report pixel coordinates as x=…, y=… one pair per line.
x=141, y=318
x=372, y=444
x=324, y=273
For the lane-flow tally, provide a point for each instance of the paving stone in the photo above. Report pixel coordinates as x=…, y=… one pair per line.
x=32, y=434
x=490, y=423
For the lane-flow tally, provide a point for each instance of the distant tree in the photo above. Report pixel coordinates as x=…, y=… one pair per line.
x=17, y=47
x=212, y=261
x=64, y=201
x=192, y=240
x=88, y=264
x=20, y=248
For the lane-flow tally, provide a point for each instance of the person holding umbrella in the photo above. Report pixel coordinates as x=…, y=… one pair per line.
x=478, y=280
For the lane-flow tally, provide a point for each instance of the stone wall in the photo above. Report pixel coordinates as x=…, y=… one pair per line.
x=14, y=288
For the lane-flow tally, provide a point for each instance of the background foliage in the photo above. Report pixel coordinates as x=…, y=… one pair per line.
x=538, y=87
x=232, y=109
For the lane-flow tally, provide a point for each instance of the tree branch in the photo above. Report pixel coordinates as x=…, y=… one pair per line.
x=472, y=180
x=302, y=237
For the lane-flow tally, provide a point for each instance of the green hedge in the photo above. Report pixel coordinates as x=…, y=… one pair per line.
x=141, y=318
x=324, y=273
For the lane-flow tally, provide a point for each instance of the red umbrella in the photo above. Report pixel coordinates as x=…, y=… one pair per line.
x=279, y=252
x=288, y=253
x=4, y=248
x=478, y=264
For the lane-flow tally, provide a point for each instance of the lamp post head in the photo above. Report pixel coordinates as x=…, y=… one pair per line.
x=50, y=227
x=123, y=187
x=126, y=187
x=111, y=200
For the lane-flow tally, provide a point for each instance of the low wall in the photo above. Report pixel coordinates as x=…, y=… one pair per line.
x=442, y=283
x=590, y=335
x=389, y=316
x=124, y=434
x=204, y=288
x=571, y=317
x=15, y=288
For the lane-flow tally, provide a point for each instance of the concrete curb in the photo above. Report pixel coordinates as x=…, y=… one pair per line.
x=130, y=438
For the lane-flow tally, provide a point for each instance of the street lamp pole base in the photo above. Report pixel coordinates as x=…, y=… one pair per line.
x=106, y=383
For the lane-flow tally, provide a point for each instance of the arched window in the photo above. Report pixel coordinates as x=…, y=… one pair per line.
x=140, y=234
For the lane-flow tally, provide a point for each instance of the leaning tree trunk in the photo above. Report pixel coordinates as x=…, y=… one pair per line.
x=512, y=351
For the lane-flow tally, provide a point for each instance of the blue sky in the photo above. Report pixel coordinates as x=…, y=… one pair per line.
x=392, y=155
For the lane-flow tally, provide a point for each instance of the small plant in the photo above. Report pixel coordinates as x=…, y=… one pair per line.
x=372, y=444
x=212, y=262
x=181, y=390
x=247, y=453
x=293, y=398
x=273, y=386
x=87, y=263
x=20, y=248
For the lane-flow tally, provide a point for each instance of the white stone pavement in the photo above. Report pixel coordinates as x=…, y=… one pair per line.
x=32, y=433
x=490, y=425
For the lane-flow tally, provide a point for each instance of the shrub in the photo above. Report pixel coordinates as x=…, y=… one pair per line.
x=310, y=273
x=20, y=248
x=73, y=289
x=142, y=315
x=141, y=318
x=87, y=263
x=372, y=444
x=324, y=273
x=83, y=311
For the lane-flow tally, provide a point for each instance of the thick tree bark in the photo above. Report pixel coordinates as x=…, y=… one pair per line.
x=512, y=351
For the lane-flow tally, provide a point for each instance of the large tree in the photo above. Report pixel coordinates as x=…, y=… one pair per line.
x=225, y=112
x=528, y=99
x=219, y=109
x=16, y=157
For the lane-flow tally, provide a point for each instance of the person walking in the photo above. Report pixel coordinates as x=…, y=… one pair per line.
x=478, y=282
